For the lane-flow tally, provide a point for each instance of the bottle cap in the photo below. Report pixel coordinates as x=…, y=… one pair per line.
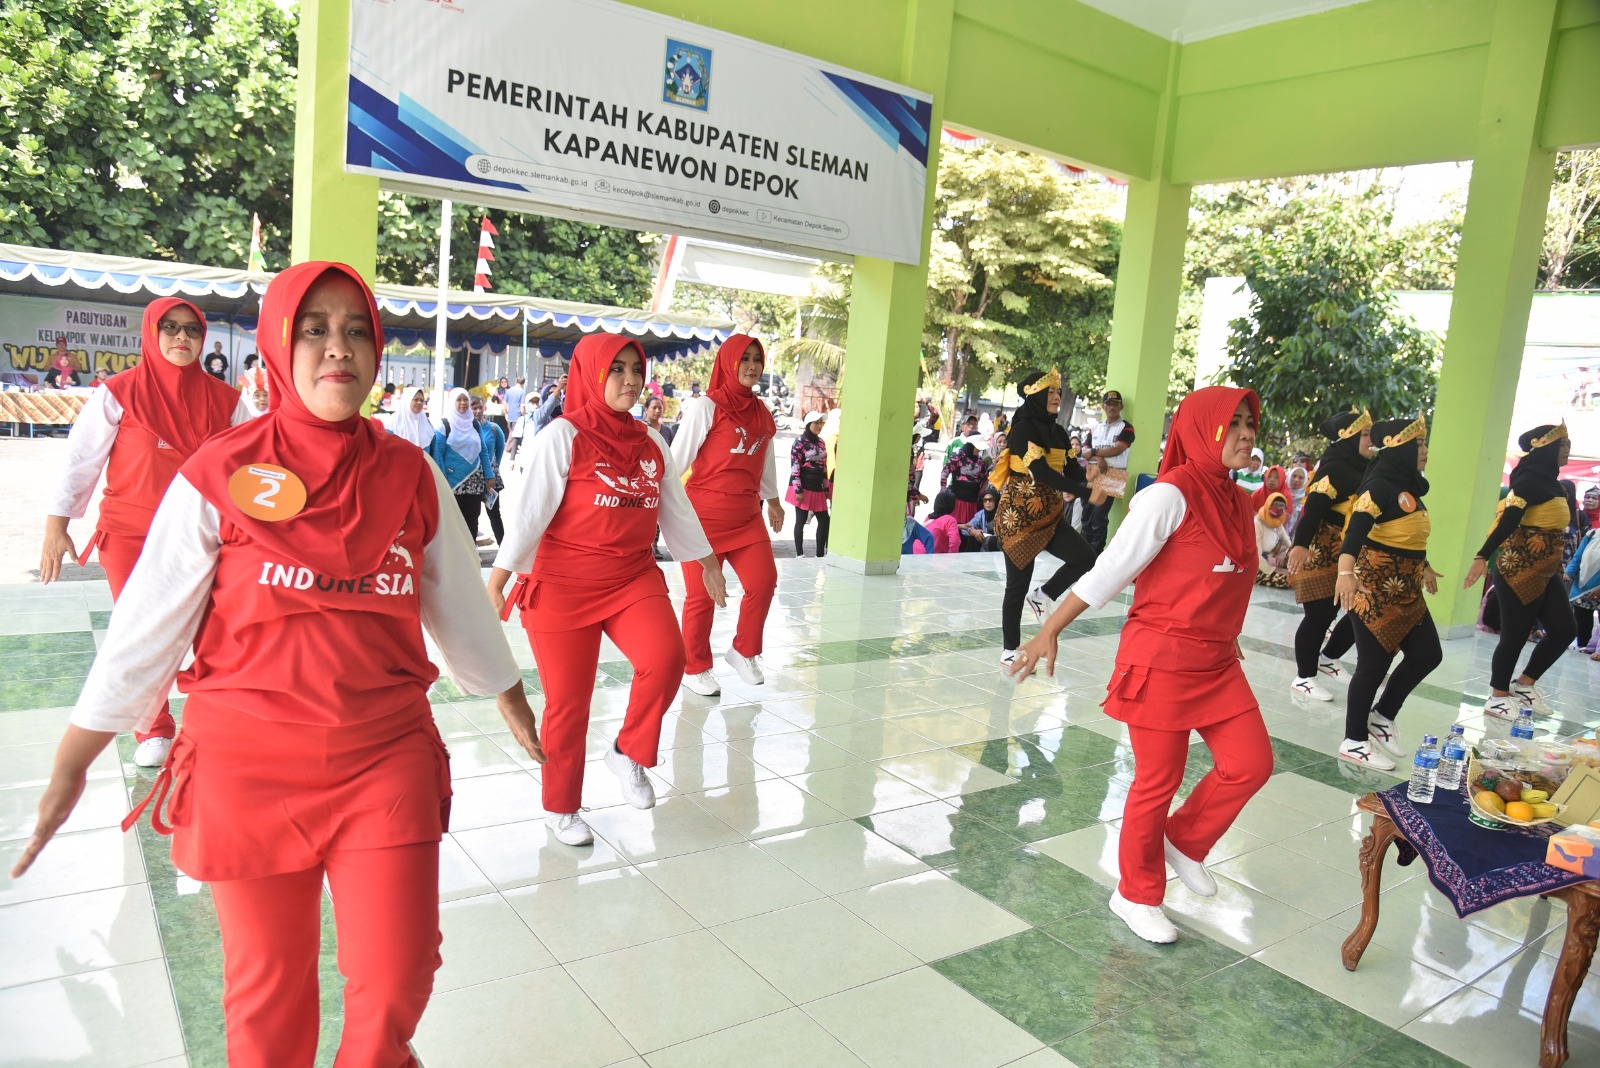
x=1428, y=739
x=1456, y=728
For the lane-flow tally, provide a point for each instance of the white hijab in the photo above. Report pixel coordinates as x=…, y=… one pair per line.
x=412, y=426
x=463, y=436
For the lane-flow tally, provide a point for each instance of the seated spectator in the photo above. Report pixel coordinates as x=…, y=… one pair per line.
x=942, y=523
x=1272, y=542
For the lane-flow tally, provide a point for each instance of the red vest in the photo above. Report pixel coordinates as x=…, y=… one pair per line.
x=601, y=535
x=1186, y=612
x=138, y=472
x=726, y=481
x=280, y=642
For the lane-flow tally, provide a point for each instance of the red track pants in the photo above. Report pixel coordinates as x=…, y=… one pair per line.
x=647, y=634
x=1243, y=762
x=118, y=553
x=758, y=575
x=386, y=912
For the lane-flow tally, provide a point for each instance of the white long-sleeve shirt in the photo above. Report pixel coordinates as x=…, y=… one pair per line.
x=1154, y=515
x=89, y=443
x=693, y=426
x=159, y=612
x=549, y=460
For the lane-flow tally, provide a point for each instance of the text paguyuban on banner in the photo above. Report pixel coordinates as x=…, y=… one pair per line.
x=601, y=111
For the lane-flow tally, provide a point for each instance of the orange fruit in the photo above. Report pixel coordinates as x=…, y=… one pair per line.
x=1489, y=801
x=1519, y=810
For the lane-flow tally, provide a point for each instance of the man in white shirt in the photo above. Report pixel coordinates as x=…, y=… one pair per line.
x=1108, y=446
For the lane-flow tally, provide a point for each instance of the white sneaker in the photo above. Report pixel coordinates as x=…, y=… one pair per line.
x=1532, y=698
x=747, y=667
x=636, y=788
x=705, y=684
x=1506, y=708
x=484, y=539
x=1008, y=660
x=569, y=828
x=1365, y=755
x=1330, y=667
x=1149, y=922
x=1384, y=737
x=1041, y=603
x=1309, y=688
x=152, y=752
x=1191, y=872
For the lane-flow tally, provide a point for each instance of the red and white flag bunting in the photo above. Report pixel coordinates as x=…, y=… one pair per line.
x=486, y=236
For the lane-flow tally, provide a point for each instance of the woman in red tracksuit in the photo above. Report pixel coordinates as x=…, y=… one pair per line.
x=139, y=429
x=1189, y=541
x=599, y=483
x=303, y=553
x=724, y=441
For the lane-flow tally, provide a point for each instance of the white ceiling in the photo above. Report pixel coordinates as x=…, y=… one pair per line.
x=1191, y=20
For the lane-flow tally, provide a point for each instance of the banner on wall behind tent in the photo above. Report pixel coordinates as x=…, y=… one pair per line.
x=97, y=335
x=681, y=128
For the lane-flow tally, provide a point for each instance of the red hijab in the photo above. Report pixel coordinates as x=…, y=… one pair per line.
x=1193, y=463
x=358, y=479
x=183, y=406
x=618, y=436
x=1259, y=497
x=735, y=398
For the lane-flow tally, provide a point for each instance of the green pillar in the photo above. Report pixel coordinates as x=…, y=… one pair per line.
x=1144, y=317
x=1495, y=275
x=335, y=213
x=887, y=305
x=1145, y=314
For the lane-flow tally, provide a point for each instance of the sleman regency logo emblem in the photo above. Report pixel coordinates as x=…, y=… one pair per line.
x=687, y=81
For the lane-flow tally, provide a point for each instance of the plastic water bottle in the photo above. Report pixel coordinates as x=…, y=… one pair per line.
x=1453, y=758
x=1424, y=771
x=1522, y=729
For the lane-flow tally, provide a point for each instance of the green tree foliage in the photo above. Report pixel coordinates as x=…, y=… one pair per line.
x=154, y=128
x=534, y=254
x=146, y=127
x=1324, y=331
x=1570, y=257
x=1010, y=226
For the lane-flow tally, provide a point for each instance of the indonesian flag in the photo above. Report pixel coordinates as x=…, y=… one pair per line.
x=256, y=262
x=486, y=236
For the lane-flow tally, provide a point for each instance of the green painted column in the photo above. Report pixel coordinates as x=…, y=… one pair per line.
x=335, y=213
x=1495, y=275
x=887, y=305
x=1144, y=316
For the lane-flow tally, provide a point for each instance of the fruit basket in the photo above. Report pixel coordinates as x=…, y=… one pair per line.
x=1481, y=774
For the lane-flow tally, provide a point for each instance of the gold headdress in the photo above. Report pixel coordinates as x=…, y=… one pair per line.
x=1051, y=379
x=1418, y=428
x=1550, y=437
x=1363, y=422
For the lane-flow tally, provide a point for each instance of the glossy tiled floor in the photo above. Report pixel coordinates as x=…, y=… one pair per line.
x=885, y=856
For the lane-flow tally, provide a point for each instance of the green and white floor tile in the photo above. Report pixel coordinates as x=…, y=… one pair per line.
x=885, y=856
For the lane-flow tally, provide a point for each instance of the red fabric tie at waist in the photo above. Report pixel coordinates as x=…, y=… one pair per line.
x=88, y=549
x=520, y=594
x=158, y=794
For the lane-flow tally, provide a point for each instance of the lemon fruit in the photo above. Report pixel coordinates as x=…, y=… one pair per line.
x=1519, y=810
x=1489, y=801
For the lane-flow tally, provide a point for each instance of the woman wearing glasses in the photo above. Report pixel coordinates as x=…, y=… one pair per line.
x=139, y=430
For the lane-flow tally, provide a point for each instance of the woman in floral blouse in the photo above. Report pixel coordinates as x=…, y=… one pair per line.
x=964, y=475
x=810, y=488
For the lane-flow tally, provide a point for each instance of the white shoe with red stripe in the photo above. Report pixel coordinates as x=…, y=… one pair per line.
x=1365, y=755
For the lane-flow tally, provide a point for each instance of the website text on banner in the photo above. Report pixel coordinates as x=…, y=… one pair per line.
x=681, y=128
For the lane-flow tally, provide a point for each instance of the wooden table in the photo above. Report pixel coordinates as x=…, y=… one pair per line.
x=1583, y=923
